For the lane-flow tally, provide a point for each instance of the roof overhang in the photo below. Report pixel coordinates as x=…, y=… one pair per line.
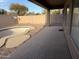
x=50, y=4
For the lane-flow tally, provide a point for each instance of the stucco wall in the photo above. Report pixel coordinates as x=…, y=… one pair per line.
x=7, y=21
x=10, y=20
x=56, y=20
x=34, y=19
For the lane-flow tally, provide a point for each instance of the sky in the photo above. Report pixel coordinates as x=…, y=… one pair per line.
x=5, y=4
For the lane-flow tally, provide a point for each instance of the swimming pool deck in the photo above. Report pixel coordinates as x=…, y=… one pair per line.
x=49, y=43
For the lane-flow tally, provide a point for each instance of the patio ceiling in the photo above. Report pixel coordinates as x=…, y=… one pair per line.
x=50, y=4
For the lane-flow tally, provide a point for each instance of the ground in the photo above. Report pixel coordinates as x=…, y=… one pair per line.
x=49, y=43
x=4, y=52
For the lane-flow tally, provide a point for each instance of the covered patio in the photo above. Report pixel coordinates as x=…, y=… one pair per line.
x=50, y=42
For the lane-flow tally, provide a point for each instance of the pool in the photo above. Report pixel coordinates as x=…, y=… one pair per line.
x=14, y=36
x=14, y=31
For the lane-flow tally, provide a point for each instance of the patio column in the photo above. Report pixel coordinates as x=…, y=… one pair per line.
x=48, y=17
x=64, y=16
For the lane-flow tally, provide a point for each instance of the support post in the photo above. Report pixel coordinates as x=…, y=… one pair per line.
x=48, y=17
